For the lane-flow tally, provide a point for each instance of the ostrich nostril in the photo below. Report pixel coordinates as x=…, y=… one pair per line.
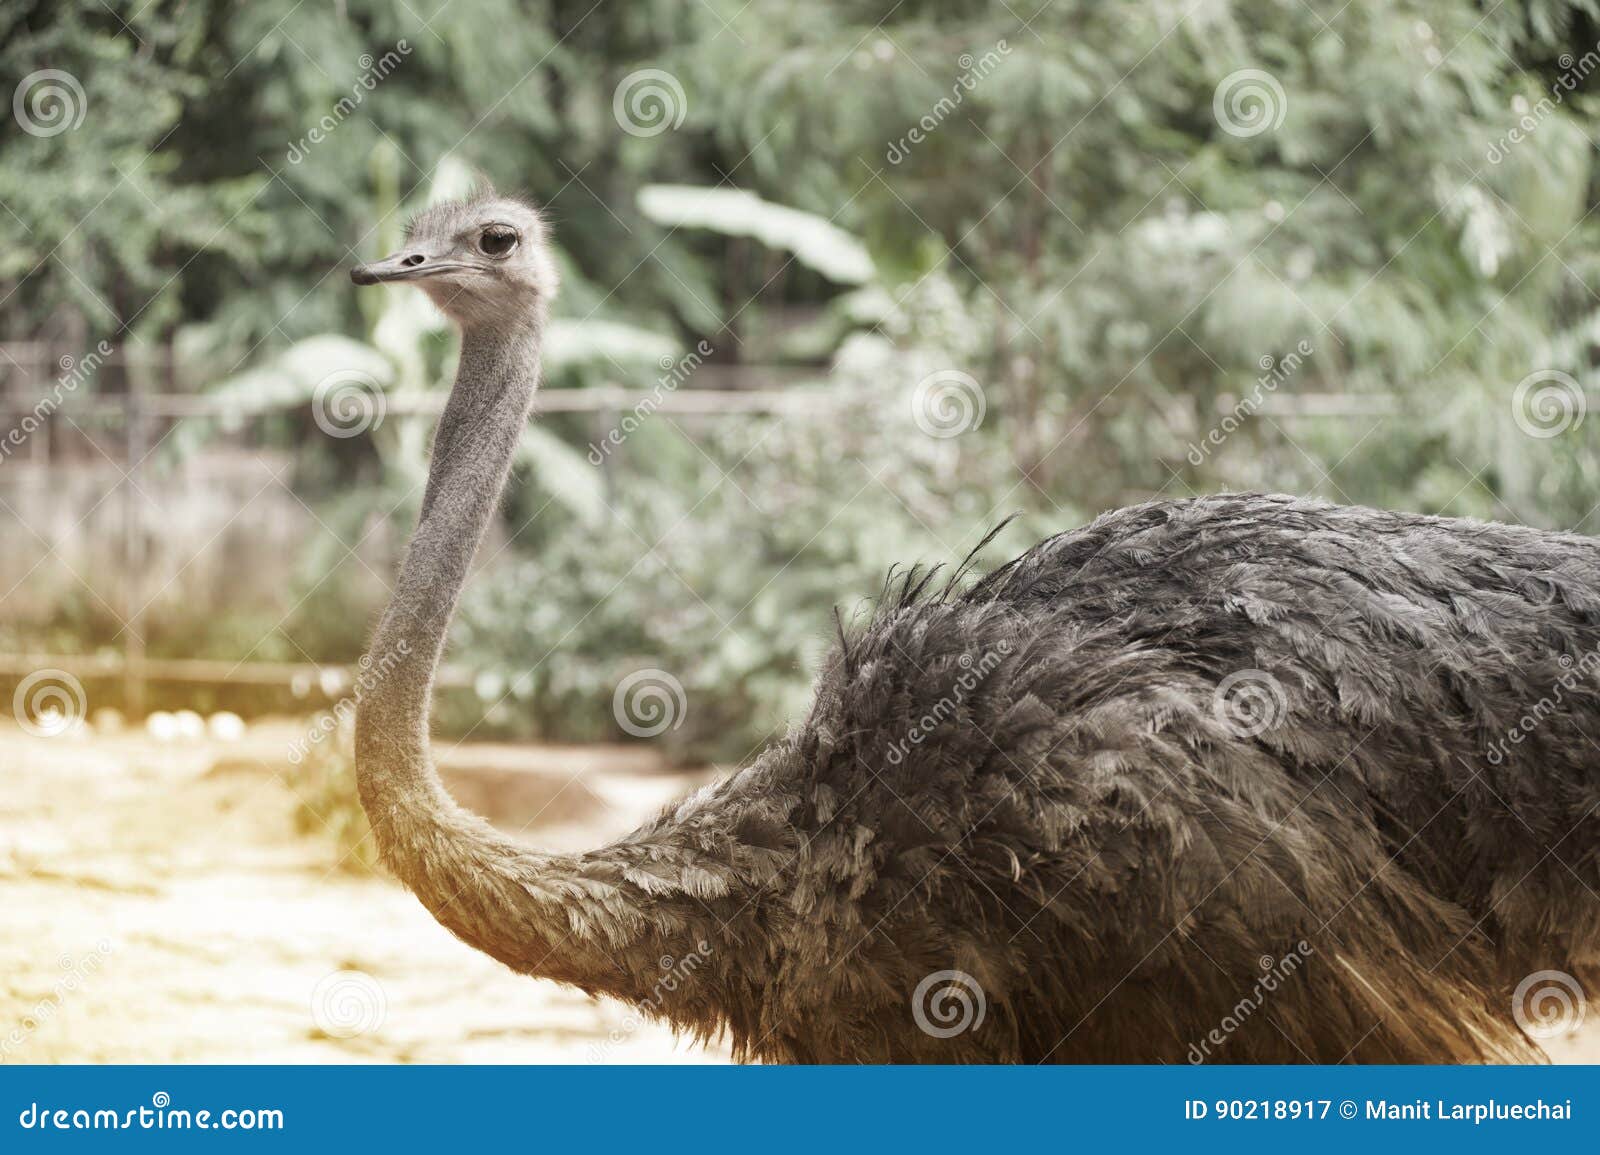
x=413, y=260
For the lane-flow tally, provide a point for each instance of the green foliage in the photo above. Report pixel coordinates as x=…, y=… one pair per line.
x=1038, y=194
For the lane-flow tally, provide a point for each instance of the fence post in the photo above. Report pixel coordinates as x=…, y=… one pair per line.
x=133, y=551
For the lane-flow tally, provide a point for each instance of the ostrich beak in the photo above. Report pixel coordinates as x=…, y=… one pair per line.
x=407, y=265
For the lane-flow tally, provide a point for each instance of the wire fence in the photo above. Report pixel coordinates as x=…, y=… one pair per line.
x=111, y=410
x=65, y=413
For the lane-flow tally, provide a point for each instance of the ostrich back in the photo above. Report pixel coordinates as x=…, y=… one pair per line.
x=1241, y=778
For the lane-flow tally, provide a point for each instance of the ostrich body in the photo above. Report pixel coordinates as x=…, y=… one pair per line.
x=1116, y=785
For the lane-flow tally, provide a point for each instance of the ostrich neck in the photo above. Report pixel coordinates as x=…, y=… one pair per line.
x=594, y=919
x=472, y=453
x=454, y=861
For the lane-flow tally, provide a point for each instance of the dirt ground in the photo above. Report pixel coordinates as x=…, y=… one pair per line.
x=157, y=904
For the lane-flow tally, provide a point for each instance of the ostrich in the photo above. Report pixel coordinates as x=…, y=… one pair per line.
x=1237, y=778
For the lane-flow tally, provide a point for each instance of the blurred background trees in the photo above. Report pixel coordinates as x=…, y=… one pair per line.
x=1162, y=248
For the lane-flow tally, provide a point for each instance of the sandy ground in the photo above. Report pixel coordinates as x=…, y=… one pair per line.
x=158, y=905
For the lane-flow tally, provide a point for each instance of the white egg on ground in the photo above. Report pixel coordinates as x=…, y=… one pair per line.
x=190, y=725
x=161, y=726
x=225, y=726
x=106, y=720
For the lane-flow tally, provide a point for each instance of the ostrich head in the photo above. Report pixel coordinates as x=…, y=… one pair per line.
x=484, y=261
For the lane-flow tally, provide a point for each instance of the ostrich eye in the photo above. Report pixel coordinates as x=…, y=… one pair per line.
x=497, y=241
